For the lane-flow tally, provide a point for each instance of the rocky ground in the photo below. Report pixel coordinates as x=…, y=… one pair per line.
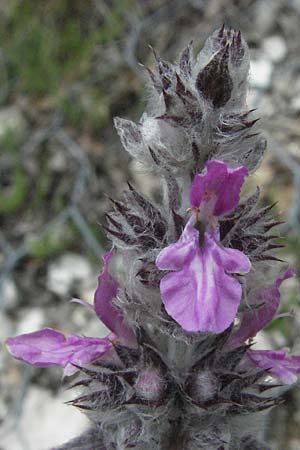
x=66, y=71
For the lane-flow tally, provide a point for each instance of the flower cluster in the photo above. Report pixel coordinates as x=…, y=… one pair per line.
x=178, y=369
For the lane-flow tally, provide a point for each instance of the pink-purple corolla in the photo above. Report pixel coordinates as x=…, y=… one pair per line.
x=277, y=363
x=263, y=305
x=263, y=308
x=200, y=292
x=105, y=293
x=216, y=191
x=49, y=347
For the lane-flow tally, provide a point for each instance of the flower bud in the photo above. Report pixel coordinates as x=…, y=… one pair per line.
x=149, y=384
x=203, y=386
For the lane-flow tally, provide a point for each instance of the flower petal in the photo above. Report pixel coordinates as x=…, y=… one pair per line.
x=232, y=261
x=277, y=363
x=218, y=188
x=105, y=310
x=176, y=255
x=49, y=347
x=106, y=291
x=200, y=295
x=254, y=320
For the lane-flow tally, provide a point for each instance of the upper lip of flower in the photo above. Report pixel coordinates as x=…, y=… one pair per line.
x=217, y=189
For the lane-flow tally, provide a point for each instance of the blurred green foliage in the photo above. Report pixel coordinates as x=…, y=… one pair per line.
x=49, y=46
x=53, y=242
x=13, y=195
x=292, y=243
x=49, y=51
x=12, y=200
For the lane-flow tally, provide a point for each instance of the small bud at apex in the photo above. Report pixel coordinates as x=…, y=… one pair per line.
x=214, y=81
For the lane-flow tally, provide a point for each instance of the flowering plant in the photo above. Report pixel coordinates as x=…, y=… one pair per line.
x=178, y=370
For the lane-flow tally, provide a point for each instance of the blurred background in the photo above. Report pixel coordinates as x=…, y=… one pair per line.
x=67, y=67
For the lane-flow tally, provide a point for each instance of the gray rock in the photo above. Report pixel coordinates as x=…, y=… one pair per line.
x=10, y=294
x=45, y=422
x=11, y=120
x=65, y=271
x=275, y=48
x=261, y=73
x=295, y=444
x=6, y=327
x=265, y=15
x=295, y=104
x=32, y=319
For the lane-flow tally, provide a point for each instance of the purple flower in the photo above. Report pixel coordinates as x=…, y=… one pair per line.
x=265, y=304
x=199, y=293
x=216, y=191
x=49, y=347
x=105, y=310
x=277, y=363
